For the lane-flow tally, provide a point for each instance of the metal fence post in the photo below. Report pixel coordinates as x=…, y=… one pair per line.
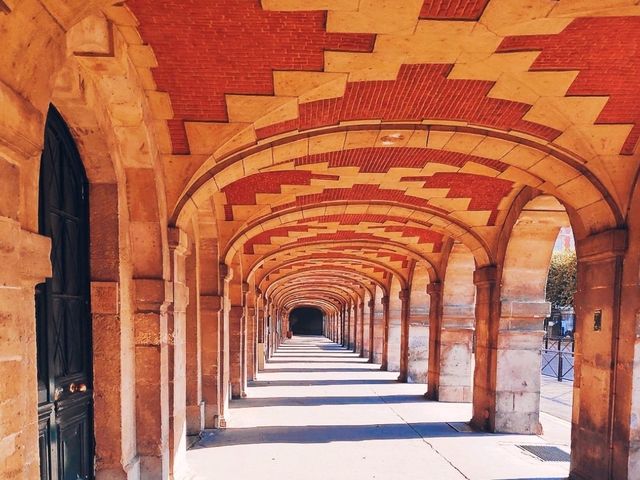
x=559, y=359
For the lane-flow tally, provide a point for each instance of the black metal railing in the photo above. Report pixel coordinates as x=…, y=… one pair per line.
x=557, y=357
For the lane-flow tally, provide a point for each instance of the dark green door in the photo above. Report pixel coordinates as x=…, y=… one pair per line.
x=63, y=317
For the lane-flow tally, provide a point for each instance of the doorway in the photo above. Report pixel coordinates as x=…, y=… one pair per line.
x=305, y=321
x=63, y=318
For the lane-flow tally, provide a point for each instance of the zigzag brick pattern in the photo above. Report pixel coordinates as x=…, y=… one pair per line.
x=244, y=190
x=234, y=52
x=381, y=159
x=605, y=50
x=419, y=92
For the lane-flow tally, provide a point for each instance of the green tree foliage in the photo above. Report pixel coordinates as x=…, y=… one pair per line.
x=561, y=282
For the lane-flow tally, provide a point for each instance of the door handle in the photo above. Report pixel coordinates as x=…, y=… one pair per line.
x=77, y=387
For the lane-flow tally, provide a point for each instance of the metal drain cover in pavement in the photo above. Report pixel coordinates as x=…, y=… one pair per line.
x=547, y=453
x=461, y=427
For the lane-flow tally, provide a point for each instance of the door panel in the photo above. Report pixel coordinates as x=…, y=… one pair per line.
x=63, y=320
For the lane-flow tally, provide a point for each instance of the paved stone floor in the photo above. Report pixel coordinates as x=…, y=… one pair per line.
x=556, y=397
x=320, y=412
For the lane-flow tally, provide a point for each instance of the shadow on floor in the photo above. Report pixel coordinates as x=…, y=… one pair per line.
x=373, y=368
x=328, y=433
x=327, y=359
x=318, y=401
x=311, y=383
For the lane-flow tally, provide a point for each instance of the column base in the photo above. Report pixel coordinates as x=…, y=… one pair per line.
x=154, y=467
x=222, y=422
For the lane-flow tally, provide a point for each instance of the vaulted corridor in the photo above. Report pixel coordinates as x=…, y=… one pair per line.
x=319, y=408
x=451, y=187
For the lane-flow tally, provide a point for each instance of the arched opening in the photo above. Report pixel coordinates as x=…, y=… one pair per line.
x=63, y=314
x=520, y=337
x=305, y=321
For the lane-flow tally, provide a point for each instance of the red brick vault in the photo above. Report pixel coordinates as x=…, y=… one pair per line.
x=351, y=154
x=402, y=166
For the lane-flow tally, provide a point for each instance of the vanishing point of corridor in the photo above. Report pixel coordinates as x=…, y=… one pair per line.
x=319, y=412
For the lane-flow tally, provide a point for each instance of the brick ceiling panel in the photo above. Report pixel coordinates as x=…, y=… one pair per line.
x=607, y=64
x=230, y=47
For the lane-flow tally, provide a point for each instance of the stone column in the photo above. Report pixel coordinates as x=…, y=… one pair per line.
x=210, y=329
x=487, y=322
x=363, y=328
x=260, y=319
x=193, y=338
x=226, y=274
x=604, y=424
x=456, y=354
x=394, y=332
x=418, y=321
x=236, y=321
x=210, y=318
x=353, y=330
x=152, y=296
x=380, y=339
x=244, y=342
x=251, y=342
x=176, y=349
x=367, y=345
x=25, y=262
x=404, y=335
x=517, y=376
x=434, y=289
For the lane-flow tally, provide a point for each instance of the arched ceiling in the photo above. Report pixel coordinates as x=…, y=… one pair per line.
x=334, y=144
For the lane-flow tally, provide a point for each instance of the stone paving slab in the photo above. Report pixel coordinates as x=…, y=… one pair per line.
x=319, y=412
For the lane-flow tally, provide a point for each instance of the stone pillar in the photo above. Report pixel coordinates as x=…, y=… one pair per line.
x=434, y=289
x=363, y=327
x=404, y=335
x=517, y=375
x=251, y=342
x=380, y=336
x=456, y=354
x=604, y=426
x=152, y=381
x=354, y=327
x=210, y=305
x=487, y=322
x=367, y=345
x=236, y=322
x=244, y=342
x=25, y=262
x=260, y=314
x=506, y=396
x=210, y=319
x=226, y=274
x=394, y=331
x=418, y=321
x=193, y=335
x=176, y=350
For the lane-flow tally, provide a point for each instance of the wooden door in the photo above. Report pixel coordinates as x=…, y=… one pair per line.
x=63, y=317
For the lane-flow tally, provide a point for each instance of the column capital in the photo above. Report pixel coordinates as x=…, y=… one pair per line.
x=434, y=288
x=178, y=242
x=485, y=275
x=601, y=246
x=226, y=272
x=384, y=300
x=371, y=303
x=404, y=294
